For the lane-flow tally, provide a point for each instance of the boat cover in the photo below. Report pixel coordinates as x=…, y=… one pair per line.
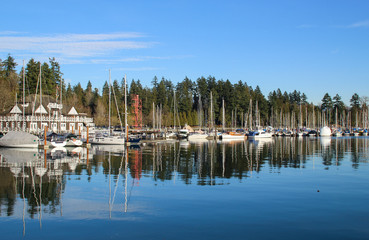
x=19, y=139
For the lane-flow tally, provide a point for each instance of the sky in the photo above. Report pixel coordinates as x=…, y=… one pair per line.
x=312, y=46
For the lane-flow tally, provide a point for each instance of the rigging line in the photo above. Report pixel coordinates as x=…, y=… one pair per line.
x=40, y=208
x=24, y=204
x=126, y=178
x=33, y=186
x=130, y=192
x=34, y=102
x=116, y=105
x=116, y=182
x=109, y=186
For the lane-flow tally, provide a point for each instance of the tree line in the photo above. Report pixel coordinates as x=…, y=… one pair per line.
x=279, y=109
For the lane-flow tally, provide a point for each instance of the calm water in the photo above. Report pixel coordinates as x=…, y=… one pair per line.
x=284, y=188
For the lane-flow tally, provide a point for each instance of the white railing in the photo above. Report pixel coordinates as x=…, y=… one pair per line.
x=18, y=118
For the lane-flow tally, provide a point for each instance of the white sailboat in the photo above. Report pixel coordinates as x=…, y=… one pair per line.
x=259, y=132
x=198, y=135
x=299, y=133
x=337, y=132
x=232, y=135
x=172, y=134
x=212, y=130
x=108, y=138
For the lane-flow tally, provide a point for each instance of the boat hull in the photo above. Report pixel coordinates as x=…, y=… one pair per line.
x=108, y=141
x=232, y=137
x=259, y=135
x=197, y=137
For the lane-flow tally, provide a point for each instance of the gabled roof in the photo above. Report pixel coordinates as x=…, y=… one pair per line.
x=41, y=110
x=15, y=110
x=73, y=111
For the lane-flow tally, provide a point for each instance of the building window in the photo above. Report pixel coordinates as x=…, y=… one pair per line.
x=43, y=125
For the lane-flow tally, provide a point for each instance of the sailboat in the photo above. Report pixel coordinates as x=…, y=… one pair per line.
x=299, y=133
x=259, y=132
x=108, y=138
x=325, y=131
x=232, y=135
x=212, y=130
x=199, y=135
x=337, y=133
x=20, y=139
x=172, y=134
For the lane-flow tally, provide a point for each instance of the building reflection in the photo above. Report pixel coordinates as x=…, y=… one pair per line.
x=38, y=177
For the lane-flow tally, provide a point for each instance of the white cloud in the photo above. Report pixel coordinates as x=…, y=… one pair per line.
x=359, y=24
x=9, y=33
x=71, y=45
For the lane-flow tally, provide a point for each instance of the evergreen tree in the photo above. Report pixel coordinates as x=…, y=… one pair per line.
x=355, y=101
x=185, y=96
x=337, y=103
x=327, y=103
x=303, y=99
x=32, y=75
x=9, y=65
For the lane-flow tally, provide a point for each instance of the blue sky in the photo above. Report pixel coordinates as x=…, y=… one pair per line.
x=311, y=46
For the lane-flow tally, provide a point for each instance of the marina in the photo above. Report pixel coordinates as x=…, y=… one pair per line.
x=187, y=120
x=287, y=185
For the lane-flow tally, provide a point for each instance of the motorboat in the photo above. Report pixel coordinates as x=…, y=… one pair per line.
x=197, y=136
x=107, y=139
x=259, y=133
x=233, y=135
x=183, y=133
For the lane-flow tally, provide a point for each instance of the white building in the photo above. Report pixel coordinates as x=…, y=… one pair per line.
x=54, y=116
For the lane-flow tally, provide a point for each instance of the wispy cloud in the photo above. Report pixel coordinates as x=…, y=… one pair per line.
x=306, y=26
x=138, y=69
x=359, y=24
x=129, y=59
x=335, y=51
x=9, y=33
x=71, y=46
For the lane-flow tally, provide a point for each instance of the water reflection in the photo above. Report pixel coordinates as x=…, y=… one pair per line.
x=38, y=179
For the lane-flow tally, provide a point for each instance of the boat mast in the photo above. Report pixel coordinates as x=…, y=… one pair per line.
x=200, y=112
x=300, y=123
x=250, y=114
x=257, y=115
x=109, y=100
x=313, y=117
x=40, y=97
x=61, y=103
x=24, y=96
x=153, y=115
x=223, y=114
x=174, y=109
x=125, y=106
x=211, y=110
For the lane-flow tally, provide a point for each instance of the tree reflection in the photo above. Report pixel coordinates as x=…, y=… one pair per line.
x=41, y=181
